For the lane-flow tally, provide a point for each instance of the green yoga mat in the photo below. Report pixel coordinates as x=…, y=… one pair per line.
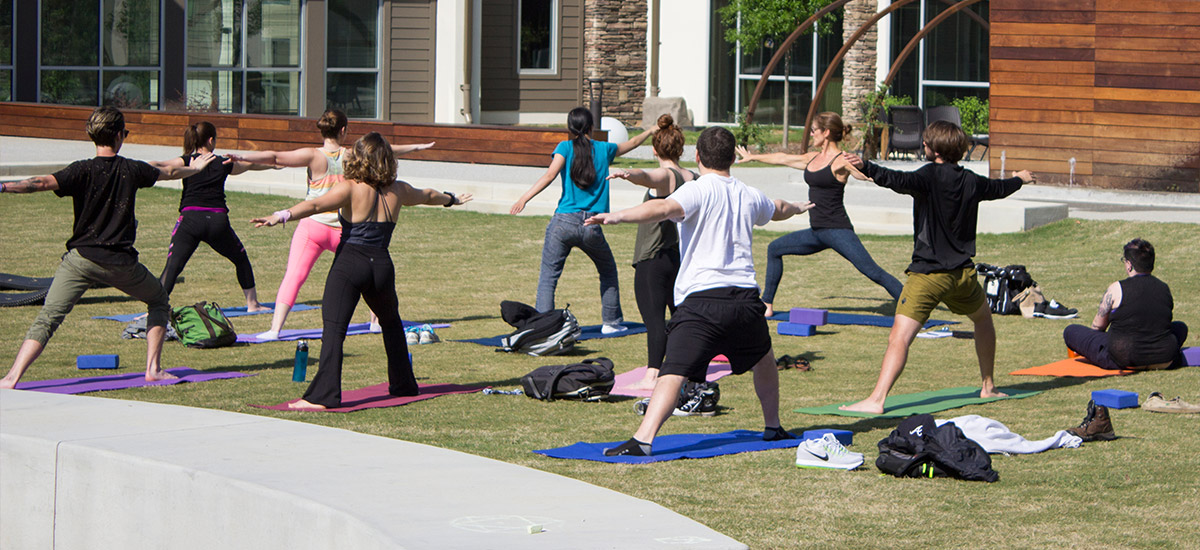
x=905, y=405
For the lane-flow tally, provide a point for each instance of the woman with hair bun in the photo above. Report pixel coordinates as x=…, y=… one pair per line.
x=367, y=202
x=203, y=214
x=320, y=232
x=825, y=172
x=583, y=164
x=656, y=251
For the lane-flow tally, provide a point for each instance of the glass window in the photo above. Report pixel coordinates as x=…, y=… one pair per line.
x=6, y=49
x=352, y=57
x=243, y=56
x=953, y=60
x=538, y=37
x=100, y=52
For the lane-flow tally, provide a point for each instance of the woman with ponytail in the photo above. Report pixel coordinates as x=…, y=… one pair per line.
x=825, y=172
x=656, y=251
x=320, y=232
x=583, y=164
x=367, y=203
x=203, y=214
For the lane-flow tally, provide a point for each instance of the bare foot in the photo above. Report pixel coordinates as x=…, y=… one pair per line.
x=770, y=311
x=303, y=405
x=6, y=384
x=256, y=308
x=647, y=382
x=993, y=393
x=154, y=376
x=866, y=406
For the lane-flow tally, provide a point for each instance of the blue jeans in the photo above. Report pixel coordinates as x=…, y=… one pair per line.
x=566, y=231
x=811, y=241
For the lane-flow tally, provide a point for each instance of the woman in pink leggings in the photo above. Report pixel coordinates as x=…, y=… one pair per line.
x=321, y=232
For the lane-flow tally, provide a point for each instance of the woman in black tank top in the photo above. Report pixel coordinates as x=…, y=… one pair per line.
x=362, y=266
x=830, y=226
x=656, y=251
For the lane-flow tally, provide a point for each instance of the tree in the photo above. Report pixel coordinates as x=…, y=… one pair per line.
x=758, y=23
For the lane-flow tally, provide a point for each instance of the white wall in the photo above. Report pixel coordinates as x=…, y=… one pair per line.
x=450, y=40
x=683, y=62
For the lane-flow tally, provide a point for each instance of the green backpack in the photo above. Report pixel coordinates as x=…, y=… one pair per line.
x=203, y=325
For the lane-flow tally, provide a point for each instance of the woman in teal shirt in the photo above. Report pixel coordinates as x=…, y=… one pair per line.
x=583, y=164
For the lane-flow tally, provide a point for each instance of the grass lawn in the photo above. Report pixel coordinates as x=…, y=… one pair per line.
x=1140, y=491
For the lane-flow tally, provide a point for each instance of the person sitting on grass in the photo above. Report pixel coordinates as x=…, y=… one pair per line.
x=1140, y=334
x=718, y=309
x=100, y=250
x=946, y=200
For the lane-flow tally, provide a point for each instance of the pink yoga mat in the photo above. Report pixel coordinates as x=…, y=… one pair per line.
x=373, y=397
x=715, y=371
x=123, y=381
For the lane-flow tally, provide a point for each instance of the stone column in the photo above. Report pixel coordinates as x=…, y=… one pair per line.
x=614, y=49
x=858, y=68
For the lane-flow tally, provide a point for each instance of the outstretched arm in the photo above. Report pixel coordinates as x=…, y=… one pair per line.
x=299, y=158
x=400, y=150
x=781, y=159
x=785, y=209
x=843, y=167
x=30, y=185
x=241, y=166
x=540, y=185
x=647, y=212
x=659, y=179
x=337, y=197
x=175, y=162
x=634, y=142
x=173, y=172
x=412, y=196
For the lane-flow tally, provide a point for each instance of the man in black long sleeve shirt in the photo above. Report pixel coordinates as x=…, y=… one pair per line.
x=946, y=201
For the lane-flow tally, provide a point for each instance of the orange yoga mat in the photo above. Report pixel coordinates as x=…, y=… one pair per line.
x=1075, y=367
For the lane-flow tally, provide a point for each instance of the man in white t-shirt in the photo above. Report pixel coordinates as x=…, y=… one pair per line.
x=718, y=307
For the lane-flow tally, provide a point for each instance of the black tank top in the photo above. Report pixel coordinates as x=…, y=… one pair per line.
x=1139, y=330
x=826, y=192
x=207, y=188
x=368, y=233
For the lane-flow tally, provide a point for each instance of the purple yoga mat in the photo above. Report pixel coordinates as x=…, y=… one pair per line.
x=373, y=397
x=315, y=333
x=123, y=381
x=715, y=372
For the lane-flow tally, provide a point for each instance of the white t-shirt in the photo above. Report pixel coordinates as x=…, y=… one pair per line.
x=719, y=214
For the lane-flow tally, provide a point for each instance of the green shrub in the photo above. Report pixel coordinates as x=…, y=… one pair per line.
x=974, y=113
x=748, y=133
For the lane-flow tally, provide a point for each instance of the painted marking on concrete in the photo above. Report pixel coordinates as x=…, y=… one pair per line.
x=501, y=523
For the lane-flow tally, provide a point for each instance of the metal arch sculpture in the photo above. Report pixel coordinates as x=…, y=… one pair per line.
x=912, y=44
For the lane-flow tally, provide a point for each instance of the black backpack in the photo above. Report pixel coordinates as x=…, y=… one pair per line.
x=918, y=447
x=549, y=333
x=1002, y=284
x=590, y=380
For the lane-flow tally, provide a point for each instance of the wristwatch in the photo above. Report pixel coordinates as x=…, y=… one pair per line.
x=453, y=199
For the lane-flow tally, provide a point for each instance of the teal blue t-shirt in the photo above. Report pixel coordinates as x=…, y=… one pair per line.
x=595, y=197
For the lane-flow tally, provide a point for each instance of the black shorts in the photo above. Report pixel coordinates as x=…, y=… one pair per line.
x=722, y=321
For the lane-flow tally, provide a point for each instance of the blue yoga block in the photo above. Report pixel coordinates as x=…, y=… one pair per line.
x=846, y=437
x=1191, y=356
x=1115, y=399
x=805, y=316
x=796, y=329
x=97, y=362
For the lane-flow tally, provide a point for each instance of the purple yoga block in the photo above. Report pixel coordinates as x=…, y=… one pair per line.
x=796, y=329
x=1191, y=356
x=805, y=316
x=1115, y=399
x=97, y=362
x=845, y=437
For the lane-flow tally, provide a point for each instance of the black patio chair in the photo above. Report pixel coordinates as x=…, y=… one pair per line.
x=907, y=124
x=948, y=113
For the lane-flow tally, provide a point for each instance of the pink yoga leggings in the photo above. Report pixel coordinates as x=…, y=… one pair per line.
x=308, y=242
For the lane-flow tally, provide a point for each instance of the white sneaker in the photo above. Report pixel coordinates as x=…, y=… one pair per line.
x=427, y=336
x=412, y=335
x=375, y=328
x=826, y=452
x=268, y=335
x=613, y=329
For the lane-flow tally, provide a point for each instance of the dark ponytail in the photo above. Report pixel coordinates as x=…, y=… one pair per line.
x=197, y=135
x=579, y=125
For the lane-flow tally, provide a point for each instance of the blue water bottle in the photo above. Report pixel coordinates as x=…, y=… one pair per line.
x=301, y=368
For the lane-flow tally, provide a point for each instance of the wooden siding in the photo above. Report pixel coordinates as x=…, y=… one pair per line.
x=455, y=143
x=502, y=89
x=1111, y=83
x=410, y=61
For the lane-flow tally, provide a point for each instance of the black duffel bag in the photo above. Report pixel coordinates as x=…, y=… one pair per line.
x=589, y=380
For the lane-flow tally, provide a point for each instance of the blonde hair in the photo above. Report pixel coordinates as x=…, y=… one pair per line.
x=105, y=124
x=371, y=161
x=331, y=123
x=946, y=140
x=668, y=140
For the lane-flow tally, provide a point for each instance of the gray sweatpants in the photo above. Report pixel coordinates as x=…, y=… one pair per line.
x=76, y=274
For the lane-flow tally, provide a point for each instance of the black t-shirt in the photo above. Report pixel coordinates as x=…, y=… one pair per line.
x=206, y=189
x=103, y=190
x=946, y=201
x=827, y=193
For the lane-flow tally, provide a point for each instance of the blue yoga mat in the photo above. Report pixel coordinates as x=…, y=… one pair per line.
x=287, y=335
x=860, y=319
x=674, y=447
x=590, y=332
x=228, y=311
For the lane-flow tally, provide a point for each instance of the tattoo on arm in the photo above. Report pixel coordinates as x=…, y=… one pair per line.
x=28, y=185
x=1103, y=311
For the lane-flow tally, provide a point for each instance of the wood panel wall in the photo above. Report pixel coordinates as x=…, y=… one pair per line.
x=503, y=89
x=411, y=55
x=455, y=143
x=1113, y=84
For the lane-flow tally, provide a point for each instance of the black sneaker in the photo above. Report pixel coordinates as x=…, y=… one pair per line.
x=698, y=400
x=1054, y=310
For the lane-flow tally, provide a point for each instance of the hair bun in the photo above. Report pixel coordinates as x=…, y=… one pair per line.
x=847, y=130
x=665, y=121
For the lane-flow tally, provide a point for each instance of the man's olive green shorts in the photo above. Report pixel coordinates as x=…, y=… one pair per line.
x=959, y=289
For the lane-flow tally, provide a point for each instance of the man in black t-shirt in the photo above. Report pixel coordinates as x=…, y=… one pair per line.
x=103, y=190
